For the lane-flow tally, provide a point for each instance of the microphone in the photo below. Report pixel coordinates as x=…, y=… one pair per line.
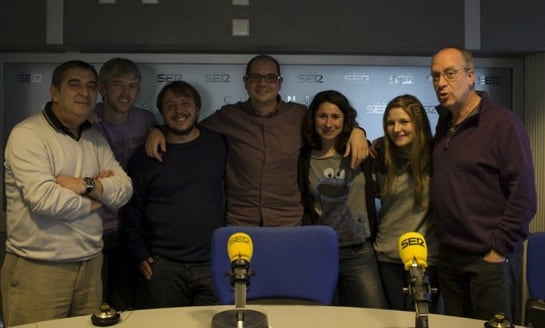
x=240, y=246
x=413, y=252
x=240, y=250
x=412, y=248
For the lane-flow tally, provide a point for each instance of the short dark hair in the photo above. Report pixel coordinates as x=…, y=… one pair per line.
x=308, y=130
x=180, y=88
x=117, y=67
x=58, y=73
x=263, y=57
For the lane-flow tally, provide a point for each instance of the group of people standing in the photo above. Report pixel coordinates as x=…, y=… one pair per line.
x=469, y=190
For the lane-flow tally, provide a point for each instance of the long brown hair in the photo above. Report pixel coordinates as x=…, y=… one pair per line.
x=420, y=156
x=311, y=137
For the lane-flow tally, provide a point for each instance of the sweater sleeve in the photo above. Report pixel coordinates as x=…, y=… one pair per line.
x=28, y=159
x=118, y=187
x=518, y=183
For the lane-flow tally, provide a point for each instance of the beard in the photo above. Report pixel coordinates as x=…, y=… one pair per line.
x=181, y=132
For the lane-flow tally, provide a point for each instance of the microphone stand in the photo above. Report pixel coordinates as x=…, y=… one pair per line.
x=240, y=279
x=420, y=290
x=240, y=317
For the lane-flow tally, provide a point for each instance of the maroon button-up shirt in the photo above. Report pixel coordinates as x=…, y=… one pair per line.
x=261, y=172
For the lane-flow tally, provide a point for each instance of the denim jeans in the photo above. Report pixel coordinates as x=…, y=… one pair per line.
x=472, y=287
x=359, y=282
x=176, y=283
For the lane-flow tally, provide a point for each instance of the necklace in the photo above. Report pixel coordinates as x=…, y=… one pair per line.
x=453, y=126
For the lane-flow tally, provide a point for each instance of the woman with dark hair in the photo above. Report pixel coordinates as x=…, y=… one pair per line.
x=335, y=195
x=402, y=172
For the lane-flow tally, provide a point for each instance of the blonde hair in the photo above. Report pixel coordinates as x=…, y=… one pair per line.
x=420, y=155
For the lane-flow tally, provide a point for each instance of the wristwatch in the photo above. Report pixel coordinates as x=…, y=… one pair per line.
x=89, y=184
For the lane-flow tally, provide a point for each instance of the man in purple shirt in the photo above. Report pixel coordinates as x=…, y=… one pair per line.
x=125, y=127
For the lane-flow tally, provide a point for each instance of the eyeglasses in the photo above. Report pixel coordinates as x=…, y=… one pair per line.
x=269, y=78
x=449, y=74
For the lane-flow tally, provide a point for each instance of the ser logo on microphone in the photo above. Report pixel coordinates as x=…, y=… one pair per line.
x=412, y=241
x=239, y=238
x=412, y=249
x=239, y=246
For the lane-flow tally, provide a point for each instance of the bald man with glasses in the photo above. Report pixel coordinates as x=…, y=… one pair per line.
x=482, y=190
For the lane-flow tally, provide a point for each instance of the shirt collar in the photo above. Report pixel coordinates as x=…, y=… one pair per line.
x=56, y=124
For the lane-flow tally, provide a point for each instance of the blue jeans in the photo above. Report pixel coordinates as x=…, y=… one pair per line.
x=359, y=282
x=472, y=287
x=175, y=284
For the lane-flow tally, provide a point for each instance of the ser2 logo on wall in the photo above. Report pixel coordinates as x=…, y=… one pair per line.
x=168, y=77
x=30, y=78
x=217, y=78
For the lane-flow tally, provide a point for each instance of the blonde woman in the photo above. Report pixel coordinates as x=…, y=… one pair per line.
x=402, y=171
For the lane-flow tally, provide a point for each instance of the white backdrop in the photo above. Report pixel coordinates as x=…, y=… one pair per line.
x=369, y=82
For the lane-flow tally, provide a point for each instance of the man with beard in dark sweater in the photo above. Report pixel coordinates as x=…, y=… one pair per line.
x=176, y=205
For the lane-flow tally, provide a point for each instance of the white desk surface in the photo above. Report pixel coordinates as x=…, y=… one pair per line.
x=279, y=316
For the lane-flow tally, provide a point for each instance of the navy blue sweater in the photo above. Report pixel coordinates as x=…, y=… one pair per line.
x=483, y=188
x=176, y=203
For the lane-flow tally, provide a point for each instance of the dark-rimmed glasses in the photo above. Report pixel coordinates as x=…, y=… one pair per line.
x=255, y=78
